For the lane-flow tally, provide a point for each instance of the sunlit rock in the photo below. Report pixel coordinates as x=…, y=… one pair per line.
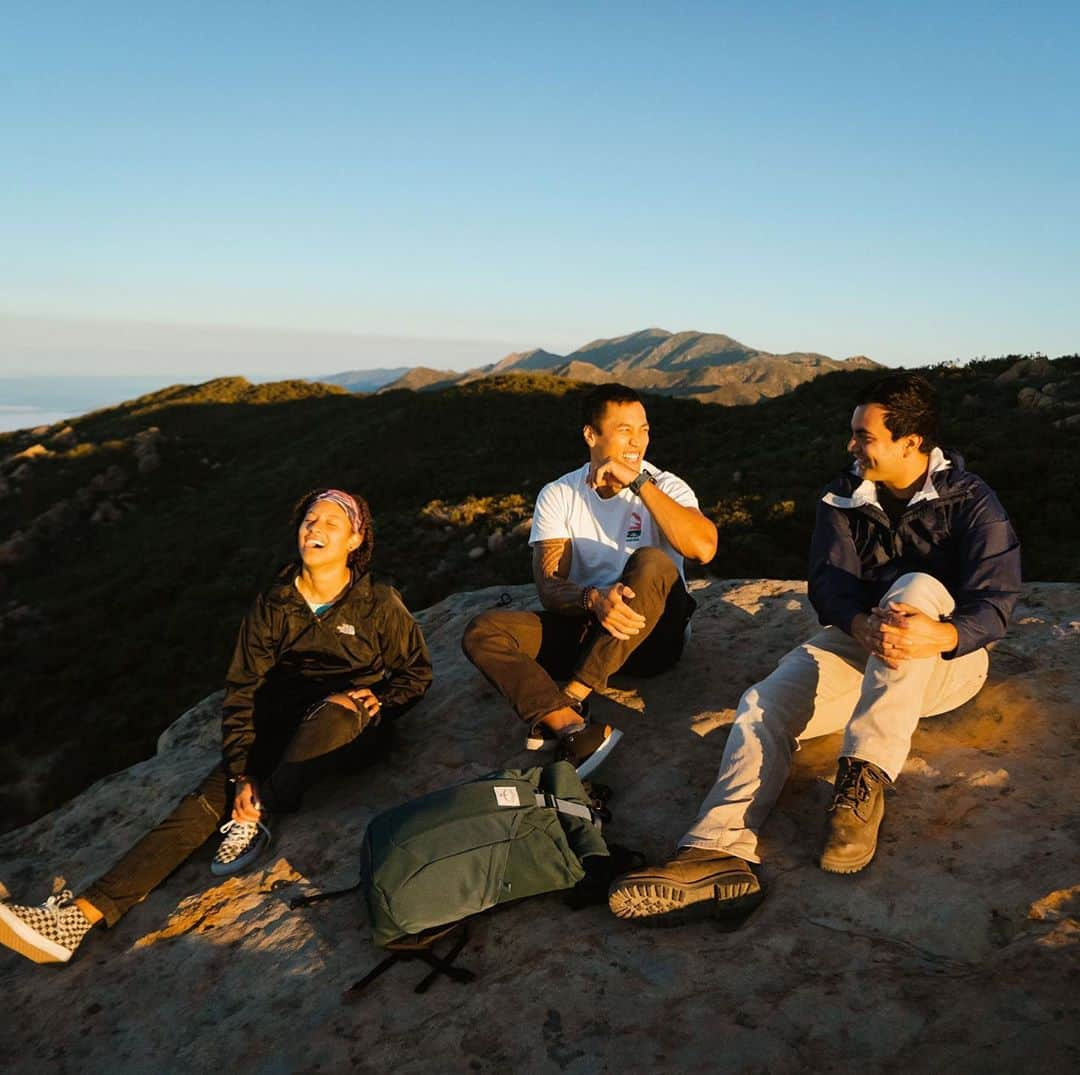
x=955, y=950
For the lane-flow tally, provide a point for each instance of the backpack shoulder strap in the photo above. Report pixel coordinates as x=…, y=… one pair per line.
x=318, y=897
x=421, y=946
x=565, y=806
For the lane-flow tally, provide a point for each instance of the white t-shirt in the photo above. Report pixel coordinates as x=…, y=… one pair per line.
x=604, y=532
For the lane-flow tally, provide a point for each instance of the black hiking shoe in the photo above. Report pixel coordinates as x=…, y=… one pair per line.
x=589, y=747
x=697, y=883
x=854, y=816
x=541, y=736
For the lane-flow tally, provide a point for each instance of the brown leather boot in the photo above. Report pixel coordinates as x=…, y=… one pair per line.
x=854, y=816
x=697, y=882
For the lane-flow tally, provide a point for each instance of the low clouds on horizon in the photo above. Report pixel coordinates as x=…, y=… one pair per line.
x=48, y=346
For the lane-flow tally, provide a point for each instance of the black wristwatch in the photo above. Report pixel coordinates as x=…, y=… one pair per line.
x=640, y=482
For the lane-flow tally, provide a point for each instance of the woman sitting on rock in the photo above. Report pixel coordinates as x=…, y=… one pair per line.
x=323, y=655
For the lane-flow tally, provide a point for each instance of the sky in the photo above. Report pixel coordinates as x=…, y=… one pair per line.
x=283, y=189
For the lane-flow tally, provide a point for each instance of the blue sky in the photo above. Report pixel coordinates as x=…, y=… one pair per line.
x=894, y=180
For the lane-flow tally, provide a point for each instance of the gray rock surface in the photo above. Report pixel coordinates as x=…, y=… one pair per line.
x=956, y=950
x=1034, y=367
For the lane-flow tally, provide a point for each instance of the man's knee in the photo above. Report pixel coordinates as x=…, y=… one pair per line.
x=923, y=591
x=749, y=707
x=758, y=721
x=651, y=562
x=481, y=632
x=783, y=701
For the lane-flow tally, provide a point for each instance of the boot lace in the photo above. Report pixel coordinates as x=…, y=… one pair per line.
x=854, y=787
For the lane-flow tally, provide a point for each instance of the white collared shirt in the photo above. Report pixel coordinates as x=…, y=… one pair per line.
x=866, y=491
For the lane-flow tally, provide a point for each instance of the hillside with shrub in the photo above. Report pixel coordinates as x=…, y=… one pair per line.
x=133, y=539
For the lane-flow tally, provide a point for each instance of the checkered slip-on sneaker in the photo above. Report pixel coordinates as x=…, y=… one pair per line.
x=46, y=934
x=244, y=842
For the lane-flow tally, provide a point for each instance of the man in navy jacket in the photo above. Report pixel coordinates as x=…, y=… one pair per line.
x=914, y=571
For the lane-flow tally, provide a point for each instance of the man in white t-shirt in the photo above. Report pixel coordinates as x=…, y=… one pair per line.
x=608, y=541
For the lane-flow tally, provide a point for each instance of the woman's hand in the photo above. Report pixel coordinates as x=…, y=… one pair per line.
x=246, y=805
x=363, y=699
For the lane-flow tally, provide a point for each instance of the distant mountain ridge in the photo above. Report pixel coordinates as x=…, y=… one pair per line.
x=133, y=538
x=365, y=380
x=706, y=366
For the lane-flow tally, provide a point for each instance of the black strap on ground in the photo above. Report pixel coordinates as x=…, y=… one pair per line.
x=421, y=947
x=305, y=901
x=445, y=964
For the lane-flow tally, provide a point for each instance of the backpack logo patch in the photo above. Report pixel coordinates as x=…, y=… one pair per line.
x=346, y=629
x=633, y=531
x=507, y=796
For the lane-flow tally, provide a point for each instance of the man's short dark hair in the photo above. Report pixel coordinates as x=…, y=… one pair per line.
x=595, y=403
x=911, y=406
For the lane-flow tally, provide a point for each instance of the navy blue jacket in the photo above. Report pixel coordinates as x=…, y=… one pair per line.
x=959, y=533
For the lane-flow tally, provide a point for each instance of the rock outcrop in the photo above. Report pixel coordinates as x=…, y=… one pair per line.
x=1059, y=399
x=956, y=950
x=95, y=502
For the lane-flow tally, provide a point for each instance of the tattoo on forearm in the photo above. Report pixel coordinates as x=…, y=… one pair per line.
x=551, y=565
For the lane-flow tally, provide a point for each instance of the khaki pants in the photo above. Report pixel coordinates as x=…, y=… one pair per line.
x=326, y=737
x=829, y=684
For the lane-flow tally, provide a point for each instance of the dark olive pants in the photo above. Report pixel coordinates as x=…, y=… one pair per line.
x=523, y=653
x=326, y=738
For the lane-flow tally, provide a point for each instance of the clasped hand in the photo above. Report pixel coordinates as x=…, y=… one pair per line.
x=614, y=614
x=900, y=632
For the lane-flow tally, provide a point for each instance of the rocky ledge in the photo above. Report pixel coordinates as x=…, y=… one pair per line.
x=955, y=950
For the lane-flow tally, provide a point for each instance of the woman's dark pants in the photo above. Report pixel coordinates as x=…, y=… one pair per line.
x=327, y=738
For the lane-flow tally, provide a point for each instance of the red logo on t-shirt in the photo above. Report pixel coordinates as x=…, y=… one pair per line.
x=633, y=532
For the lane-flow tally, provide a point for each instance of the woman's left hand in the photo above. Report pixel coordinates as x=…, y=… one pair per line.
x=246, y=806
x=364, y=698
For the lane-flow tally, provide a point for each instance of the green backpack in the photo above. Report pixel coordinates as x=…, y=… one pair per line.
x=429, y=865
x=462, y=850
